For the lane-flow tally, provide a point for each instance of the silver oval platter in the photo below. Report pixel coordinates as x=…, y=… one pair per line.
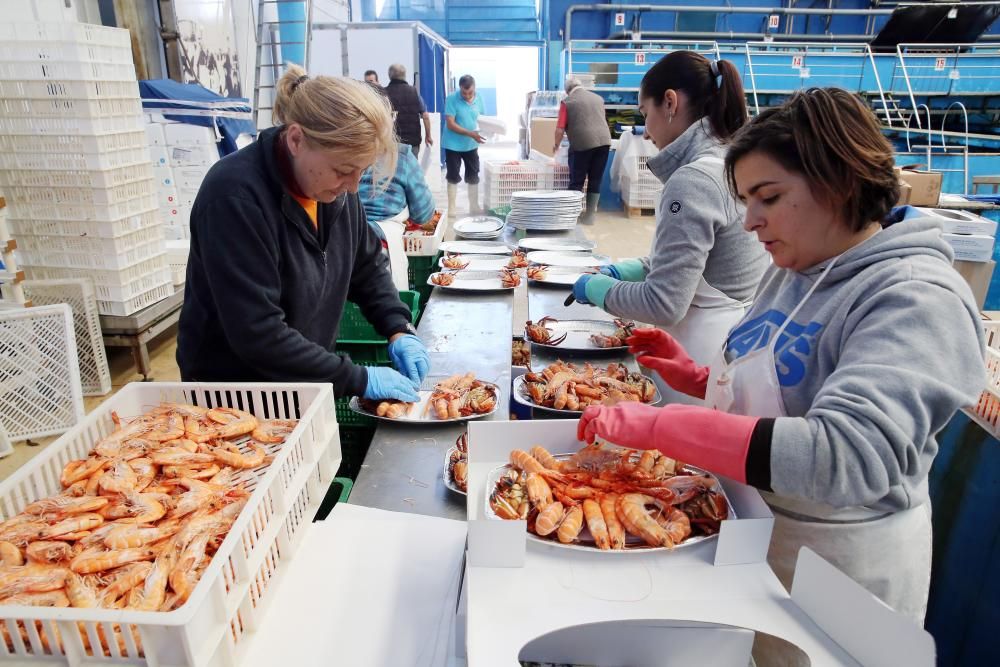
x=476, y=247
x=421, y=413
x=565, y=245
x=578, y=335
x=561, y=258
x=471, y=281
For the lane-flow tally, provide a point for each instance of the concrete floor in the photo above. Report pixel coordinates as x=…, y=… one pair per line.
x=615, y=234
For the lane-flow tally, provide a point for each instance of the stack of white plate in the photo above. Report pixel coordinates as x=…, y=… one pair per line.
x=479, y=227
x=545, y=210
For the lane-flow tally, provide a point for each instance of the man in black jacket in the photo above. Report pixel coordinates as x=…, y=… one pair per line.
x=409, y=108
x=266, y=283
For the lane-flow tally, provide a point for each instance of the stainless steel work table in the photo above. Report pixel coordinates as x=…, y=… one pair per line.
x=463, y=331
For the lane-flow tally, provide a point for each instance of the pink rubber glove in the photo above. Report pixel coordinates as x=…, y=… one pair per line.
x=659, y=350
x=713, y=440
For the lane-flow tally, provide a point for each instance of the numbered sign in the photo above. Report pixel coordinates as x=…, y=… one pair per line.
x=797, y=62
x=804, y=72
x=620, y=18
x=640, y=58
x=939, y=64
x=773, y=21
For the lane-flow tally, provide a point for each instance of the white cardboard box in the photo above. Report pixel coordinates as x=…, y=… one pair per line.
x=164, y=177
x=190, y=177
x=971, y=247
x=186, y=196
x=955, y=221
x=154, y=132
x=684, y=593
x=168, y=196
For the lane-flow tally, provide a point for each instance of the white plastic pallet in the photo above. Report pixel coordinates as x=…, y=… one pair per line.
x=78, y=294
x=215, y=626
x=40, y=394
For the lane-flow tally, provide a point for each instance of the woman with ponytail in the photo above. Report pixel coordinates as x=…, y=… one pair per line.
x=279, y=243
x=703, y=268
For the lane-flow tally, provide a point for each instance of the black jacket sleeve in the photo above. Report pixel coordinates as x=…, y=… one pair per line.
x=245, y=291
x=371, y=282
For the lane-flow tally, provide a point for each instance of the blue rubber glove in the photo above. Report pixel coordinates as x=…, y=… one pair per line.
x=386, y=382
x=629, y=270
x=592, y=289
x=409, y=357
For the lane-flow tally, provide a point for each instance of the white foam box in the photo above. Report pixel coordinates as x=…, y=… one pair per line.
x=633, y=607
x=182, y=134
x=971, y=247
x=159, y=156
x=164, y=177
x=193, y=155
x=176, y=232
x=955, y=221
x=186, y=196
x=154, y=132
x=168, y=196
x=190, y=177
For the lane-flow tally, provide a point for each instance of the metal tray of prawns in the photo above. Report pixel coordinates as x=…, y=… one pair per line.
x=519, y=392
x=585, y=541
x=422, y=412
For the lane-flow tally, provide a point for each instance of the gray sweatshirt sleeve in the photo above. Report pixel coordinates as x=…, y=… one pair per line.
x=906, y=365
x=690, y=207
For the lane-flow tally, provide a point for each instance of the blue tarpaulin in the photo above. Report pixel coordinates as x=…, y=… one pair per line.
x=202, y=106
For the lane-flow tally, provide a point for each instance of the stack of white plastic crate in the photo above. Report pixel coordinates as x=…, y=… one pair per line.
x=640, y=188
x=182, y=154
x=74, y=163
x=504, y=178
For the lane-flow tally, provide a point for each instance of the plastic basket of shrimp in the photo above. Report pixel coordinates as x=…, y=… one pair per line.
x=156, y=530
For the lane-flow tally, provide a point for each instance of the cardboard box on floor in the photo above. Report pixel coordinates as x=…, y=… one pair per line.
x=585, y=607
x=543, y=133
x=978, y=275
x=924, y=186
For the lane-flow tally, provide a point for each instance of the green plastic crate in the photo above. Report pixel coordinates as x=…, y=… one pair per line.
x=354, y=328
x=500, y=211
x=339, y=492
x=354, y=443
x=419, y=271
x=366, y=353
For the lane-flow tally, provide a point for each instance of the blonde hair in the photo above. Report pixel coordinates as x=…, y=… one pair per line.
x=339, y=114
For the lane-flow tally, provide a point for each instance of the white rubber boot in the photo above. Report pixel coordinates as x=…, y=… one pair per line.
x=474, y=199
x=452, y=199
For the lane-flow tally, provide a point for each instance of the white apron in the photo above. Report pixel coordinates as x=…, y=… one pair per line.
x=704, y=327
x=887, y=553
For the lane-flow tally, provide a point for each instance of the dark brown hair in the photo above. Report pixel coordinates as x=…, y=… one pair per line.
x=830, y=137
x=718, y=97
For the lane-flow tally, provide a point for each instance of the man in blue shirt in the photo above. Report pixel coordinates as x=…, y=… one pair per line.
x=407, y=189
x=461, y=141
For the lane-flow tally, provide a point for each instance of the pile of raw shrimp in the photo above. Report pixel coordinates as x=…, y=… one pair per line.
x=140, y=518
x=615, y=493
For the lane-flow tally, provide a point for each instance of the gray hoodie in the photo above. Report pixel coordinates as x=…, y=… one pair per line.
x=875, y=363
x=699, y=231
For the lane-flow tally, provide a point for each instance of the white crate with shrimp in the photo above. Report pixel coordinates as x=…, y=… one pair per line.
x=274, y=479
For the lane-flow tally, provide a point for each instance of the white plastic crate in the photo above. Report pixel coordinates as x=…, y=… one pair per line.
x=58, y=31
x=75, y=90
x=6, y=446
x=215, y=627
x=138, y=302
x=128, y=157
x=89, y=229
x=988, y=408
x=86, y=253
x=66, y=71
x=69, y=144
x=120, y=285
x=82, y=203
x=40, y=394
x=59, y=107
x=46, y=51
x=78, y=294
x=79, y=178
x=61, y=125
x=503, y=178
x=420, y=245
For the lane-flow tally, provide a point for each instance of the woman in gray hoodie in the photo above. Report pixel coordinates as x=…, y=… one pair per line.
x=703, y=268
x=861, y=344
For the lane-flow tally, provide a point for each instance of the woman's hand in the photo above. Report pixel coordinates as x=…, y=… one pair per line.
x=409, y=357
x=388, y=383
x=658, y=350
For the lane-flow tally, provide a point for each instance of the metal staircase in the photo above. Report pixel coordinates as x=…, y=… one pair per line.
x=283, y=30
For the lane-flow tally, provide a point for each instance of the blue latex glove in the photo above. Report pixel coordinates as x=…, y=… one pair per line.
x=592, y=289
x=610, y=270
x=409, y=357
x=386, y=382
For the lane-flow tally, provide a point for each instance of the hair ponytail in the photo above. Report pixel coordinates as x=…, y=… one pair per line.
x=719, y=97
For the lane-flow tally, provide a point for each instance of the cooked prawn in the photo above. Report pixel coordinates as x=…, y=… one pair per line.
x=522, y=460
x=80, y=469
x=549, y=518
x=631, y=509
x=64, y=505
x=74, y=524
x=31, y=578
x=49, y=551
x=119, y=478
x=131, y=535
x=616, y=532
x=233, y=422
x=232, y=457
x=571, y=525
x=135, y=508
x=155, y=590
x=595, y=523
x=274, y=430
x=166, y=427
x=47, y=599
x=98, y=560
x=81, y=591
x=124, y=580
x=539, y=491
x=543, y=456
x=10, y=554
x=185, y=574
